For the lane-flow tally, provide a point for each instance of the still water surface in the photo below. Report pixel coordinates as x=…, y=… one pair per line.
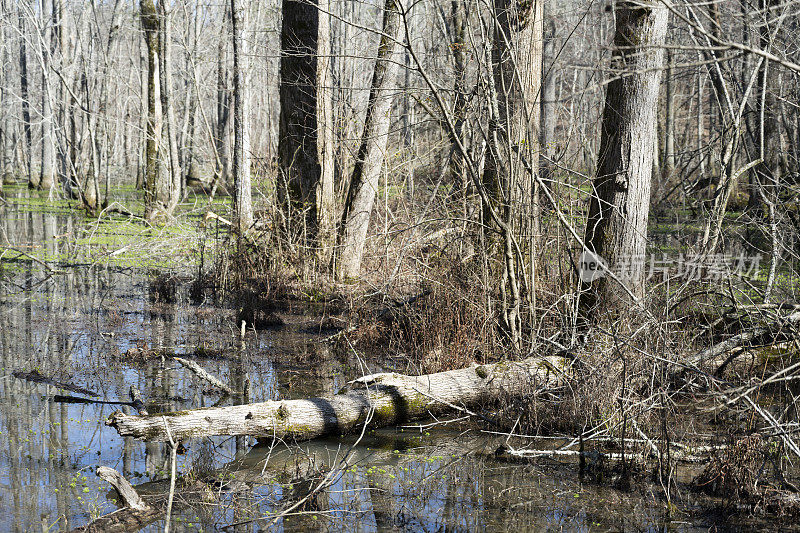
x=103, y=328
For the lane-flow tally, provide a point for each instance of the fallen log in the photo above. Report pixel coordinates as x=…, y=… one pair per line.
x=378, y=400
x=716, y=353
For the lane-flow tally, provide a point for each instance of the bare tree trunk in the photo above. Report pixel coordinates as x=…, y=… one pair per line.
x=326, y=201
x=549, y=106
x=175, y=174
x=221, y=173
x=364, y=181
x=669, y=121
x=6, y=109
x=305, y=145
x=155, y=194
x=48, y=167
x=458, y=17
x=767, y=130
x=241, y=119
x=616, y=228
x=33, y=179
x=513, y=158
x=194, y=101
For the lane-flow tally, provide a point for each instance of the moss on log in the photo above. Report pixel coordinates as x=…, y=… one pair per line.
x=378, y=400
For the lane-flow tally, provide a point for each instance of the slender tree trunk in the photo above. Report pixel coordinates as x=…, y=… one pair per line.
x=221, y=172
x=369, y=162
x=767, y=129
x=669, y=121
x=33, y=179
x=6, y=109
x=193, y=103
x=47, y=170
x=326, y=201
x=241, y=118
x=155, y=194
x=616, y=228
x=175, y=174
x=458, y=19
x=549, y=99
x=141, y=173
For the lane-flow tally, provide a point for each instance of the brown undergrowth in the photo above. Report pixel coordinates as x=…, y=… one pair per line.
x=441, y=325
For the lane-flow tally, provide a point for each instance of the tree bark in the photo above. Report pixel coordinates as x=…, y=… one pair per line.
x=6, y=144
x=325, y=195
x=222, y=171
x=48, y=165
x=364, y=181
x=243, y=203
x=167, y=105
x=305, y=145
x=377, y=400
x=154, y=194
x=512, y=161
x=33, y=179
x=549, y=103
x=616, y=228
x=668, y=165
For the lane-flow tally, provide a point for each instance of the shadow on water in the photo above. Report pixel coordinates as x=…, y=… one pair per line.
x=98, y=328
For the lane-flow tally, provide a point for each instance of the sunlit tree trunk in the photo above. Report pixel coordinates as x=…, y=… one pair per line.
x=512, y=163
x=6, y=106
x=167, y=105
x=326, y=204
x=616, y=228
x=48, y=43
x=369, y=162
x=33, y=179
x=241, y=118
x=155, y=193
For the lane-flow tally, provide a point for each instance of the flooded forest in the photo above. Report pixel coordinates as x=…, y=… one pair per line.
x=394, y=265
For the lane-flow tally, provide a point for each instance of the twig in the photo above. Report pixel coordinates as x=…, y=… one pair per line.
x=37, y=260
x=173, y=475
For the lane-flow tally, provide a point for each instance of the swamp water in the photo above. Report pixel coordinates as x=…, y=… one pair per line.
x=104, y=328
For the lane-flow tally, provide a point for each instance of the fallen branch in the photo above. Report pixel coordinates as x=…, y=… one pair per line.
x=135, y=513
x=210, y=215
x=391, y=397
x=202, y=374
x=35, y=376
x=713, y=353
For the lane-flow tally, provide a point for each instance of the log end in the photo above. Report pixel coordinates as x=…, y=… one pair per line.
x=130, y=498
